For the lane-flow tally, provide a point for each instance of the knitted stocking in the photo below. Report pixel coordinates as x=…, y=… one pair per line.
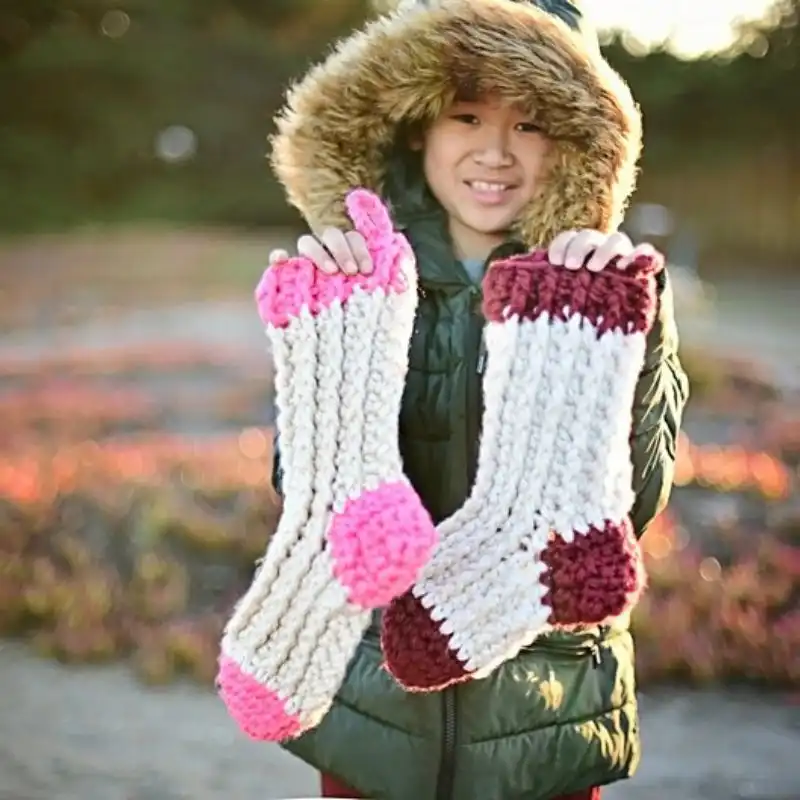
x=544, y=541
x=353, y=534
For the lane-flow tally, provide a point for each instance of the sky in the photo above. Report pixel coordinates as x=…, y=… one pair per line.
x=698, y=26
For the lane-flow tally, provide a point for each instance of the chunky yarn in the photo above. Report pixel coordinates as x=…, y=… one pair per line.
x=353, y=534
x=544, y=541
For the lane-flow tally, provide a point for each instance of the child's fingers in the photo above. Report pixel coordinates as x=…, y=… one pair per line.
x=643, y=250
x=358, y=247
x=608, y=248
x=311, y=248
x=276, y=256
x=557, y=252
x=585, y=243
x=338, y=246
x=348, y=252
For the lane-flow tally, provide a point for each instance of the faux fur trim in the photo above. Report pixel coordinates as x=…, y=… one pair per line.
x=341, y=120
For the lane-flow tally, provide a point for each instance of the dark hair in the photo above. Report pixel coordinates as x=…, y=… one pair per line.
x=467, y=90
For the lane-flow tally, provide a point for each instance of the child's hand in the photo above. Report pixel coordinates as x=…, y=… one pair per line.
x=334, y=251
x=572, y=248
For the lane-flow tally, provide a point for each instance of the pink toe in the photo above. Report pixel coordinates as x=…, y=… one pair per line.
x=380, y=542
x=258, y=711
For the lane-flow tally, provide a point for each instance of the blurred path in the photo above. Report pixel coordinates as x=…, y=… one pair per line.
x=95, y=734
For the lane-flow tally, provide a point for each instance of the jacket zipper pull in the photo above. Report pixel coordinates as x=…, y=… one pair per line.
x=597, y=655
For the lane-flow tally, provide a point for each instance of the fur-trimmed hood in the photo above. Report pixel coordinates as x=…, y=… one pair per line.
x=341, y=121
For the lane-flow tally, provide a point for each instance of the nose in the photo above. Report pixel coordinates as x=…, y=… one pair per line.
x=493, y=150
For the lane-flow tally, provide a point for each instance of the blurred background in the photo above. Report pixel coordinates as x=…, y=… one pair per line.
x=136, y=214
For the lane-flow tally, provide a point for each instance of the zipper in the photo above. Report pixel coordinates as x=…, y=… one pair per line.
x=447, y=764
x=592, y=649
x=447, y=758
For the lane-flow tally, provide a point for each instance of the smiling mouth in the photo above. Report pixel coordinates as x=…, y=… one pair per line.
x=490, y=192
x=489, y=186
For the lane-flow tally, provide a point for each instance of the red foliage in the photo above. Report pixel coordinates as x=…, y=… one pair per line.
x=99, y=500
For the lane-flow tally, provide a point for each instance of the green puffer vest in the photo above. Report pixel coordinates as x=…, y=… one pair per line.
x=560, y=717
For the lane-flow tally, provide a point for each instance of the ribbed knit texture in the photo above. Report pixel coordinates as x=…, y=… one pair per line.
x=353, y=534
x=544, y=541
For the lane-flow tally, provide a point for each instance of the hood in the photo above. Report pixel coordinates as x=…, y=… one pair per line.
x=340, y=123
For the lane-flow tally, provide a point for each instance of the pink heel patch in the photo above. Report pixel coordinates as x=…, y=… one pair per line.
x=289, y=286
x=258, y=711
x=379, y=543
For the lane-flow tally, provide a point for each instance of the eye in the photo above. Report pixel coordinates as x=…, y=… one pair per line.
x=467, y=119
x=529, y=127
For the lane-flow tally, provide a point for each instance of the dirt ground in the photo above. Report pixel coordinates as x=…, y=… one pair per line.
x=95, y=734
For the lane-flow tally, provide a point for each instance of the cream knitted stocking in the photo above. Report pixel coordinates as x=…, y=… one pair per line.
x=353, y=534
x=544, y=540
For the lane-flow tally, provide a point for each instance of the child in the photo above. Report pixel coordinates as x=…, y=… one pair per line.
x=491, y=127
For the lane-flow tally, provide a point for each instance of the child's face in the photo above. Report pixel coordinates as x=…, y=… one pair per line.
x=482, y=161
